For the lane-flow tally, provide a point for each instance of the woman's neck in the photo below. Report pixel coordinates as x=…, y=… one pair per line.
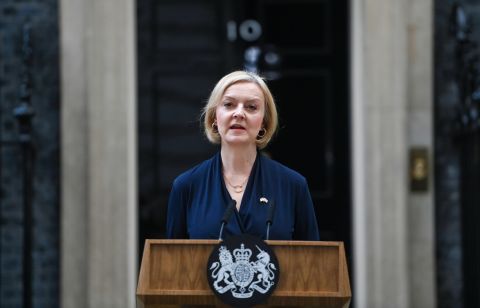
x=238, y=161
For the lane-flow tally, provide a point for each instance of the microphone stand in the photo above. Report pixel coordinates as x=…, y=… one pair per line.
x=226, y=217
x=271, y=211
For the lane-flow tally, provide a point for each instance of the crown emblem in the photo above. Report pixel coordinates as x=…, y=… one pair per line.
x=242, y=254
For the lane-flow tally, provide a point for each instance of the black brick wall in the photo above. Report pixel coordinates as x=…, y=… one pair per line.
x=43, y=18
x=450, y=280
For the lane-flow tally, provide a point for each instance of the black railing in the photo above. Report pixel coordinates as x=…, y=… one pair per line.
x=24, y=113
x=467, y=135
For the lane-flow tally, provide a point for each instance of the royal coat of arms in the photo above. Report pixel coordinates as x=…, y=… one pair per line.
x=242, y=272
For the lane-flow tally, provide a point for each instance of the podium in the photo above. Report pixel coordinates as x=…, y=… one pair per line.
x=173, y=272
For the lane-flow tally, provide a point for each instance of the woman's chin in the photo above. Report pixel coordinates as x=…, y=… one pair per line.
x=239, y=140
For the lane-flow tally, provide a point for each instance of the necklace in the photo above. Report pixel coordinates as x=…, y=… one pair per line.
x=237, y=188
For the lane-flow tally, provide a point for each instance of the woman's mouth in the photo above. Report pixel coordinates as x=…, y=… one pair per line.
x=237, y=126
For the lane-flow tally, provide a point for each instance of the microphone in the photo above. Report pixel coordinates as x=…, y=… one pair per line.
x=271, y=211
x=226, y=216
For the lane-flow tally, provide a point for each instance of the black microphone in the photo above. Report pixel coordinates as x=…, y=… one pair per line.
x=226, y=216
x=271, y=211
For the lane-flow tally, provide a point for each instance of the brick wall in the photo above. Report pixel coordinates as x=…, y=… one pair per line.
x=450, y=280
x=43, y=18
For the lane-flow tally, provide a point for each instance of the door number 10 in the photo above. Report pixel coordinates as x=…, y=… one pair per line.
x=249, y=30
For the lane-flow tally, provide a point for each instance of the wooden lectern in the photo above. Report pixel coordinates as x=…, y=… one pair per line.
x=173, y=272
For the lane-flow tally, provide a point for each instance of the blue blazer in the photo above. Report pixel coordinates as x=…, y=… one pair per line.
x=199, y=197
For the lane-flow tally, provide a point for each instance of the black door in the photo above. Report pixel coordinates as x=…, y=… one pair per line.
x=300, y=46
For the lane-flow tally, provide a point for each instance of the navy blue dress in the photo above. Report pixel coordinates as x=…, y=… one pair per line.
x=199, y=198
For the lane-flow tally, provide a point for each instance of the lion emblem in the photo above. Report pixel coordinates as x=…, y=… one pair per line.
x=222, y=271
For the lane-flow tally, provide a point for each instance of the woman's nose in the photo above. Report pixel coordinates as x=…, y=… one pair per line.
x=239, y=113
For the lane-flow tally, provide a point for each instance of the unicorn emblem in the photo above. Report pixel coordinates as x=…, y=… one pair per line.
x=265, y=271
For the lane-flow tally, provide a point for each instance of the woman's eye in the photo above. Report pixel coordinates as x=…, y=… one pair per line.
x=252, y=107
x=227, y=104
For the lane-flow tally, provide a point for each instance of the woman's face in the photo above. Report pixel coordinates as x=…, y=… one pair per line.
x=240, y=113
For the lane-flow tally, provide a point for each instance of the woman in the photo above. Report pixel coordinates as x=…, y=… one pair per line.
x=241, y=116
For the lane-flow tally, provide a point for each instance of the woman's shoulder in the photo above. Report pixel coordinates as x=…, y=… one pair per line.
x=283, y=171
x=194, y=174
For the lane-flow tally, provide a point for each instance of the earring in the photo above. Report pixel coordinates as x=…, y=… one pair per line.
x=262, y=133
x=215, y=127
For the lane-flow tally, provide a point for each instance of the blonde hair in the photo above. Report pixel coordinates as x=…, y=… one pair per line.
x=270, y=119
